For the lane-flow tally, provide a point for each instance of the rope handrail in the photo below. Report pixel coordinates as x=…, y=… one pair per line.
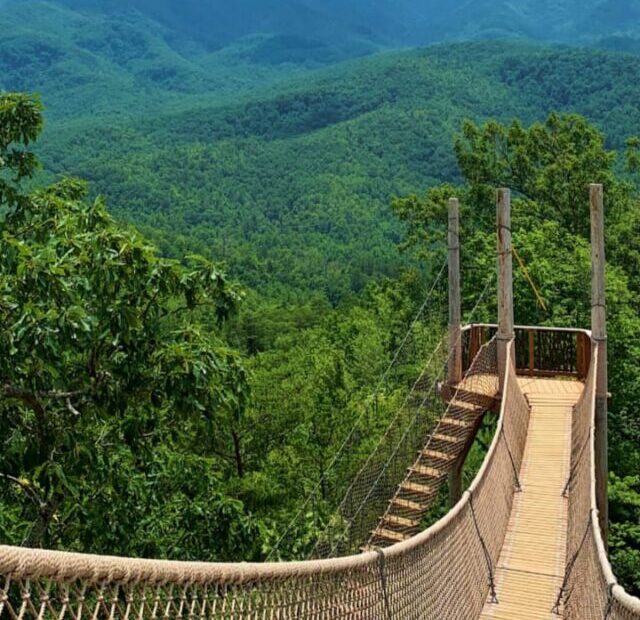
x=443, y=572
x=590, y=590
x=122, y=587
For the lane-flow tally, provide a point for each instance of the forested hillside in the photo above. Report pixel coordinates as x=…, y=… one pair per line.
x=321, y=31
x=291, y=186
x=208, y=395
x=119, y=65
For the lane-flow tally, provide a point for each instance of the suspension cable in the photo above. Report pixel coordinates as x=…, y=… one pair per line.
x=373, y=452
x=359, y=419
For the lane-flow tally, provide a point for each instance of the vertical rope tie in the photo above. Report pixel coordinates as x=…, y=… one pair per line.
x=609, y=607
x=569, y=569
x=383, y=582
x=487, y=555
x=513, y=463
x=574, y=467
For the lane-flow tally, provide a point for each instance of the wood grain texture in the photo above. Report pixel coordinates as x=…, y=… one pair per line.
x=531, y=565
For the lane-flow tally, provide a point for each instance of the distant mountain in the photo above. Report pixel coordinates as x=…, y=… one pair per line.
x=215, y=23
x=292, y=184
x=122, y=62
x=129, y=56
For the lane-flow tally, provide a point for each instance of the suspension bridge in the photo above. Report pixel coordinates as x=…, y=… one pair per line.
x=526, y=540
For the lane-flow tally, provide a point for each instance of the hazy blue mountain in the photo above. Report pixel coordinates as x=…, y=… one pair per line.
x=215, y=23
x=127, y=56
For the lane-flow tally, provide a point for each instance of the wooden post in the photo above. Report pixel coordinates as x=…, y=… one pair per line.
x=455, y=334
x=599, y=332
x=532, y=350
x=505, y=282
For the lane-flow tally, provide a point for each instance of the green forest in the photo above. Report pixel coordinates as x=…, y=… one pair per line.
x=291, y=187
x=208, y=266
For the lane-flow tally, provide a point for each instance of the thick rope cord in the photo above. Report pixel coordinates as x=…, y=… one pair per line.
x=609, y=608
x=529, y=279
x=438, y=378
x=487, y=555
x=359, y=419
x=513, y=463
x=383, y=583
x=574, y=467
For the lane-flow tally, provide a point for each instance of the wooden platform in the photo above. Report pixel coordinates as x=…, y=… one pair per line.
x=531, y=564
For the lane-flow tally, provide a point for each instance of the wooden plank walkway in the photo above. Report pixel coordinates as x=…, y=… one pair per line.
x=531, y=565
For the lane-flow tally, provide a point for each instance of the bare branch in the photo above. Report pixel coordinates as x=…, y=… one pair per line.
x=72, y=409
x=29, y=491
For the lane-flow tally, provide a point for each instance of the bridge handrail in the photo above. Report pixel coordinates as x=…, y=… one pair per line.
x=590, y=590
x=456, y=554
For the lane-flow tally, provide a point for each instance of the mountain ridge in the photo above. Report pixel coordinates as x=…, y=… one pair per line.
x=291, y=185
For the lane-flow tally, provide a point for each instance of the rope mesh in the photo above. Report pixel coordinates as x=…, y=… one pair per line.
x=375, y=482
x=441, y=573
x=589, y=591
x=445, y=572
x=454, y=416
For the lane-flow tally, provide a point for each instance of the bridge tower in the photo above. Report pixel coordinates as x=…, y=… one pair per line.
x=455, y=333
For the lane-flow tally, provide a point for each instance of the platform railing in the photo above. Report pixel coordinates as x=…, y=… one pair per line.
x=539, y=351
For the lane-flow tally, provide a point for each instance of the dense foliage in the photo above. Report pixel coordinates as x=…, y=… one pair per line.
x=107, y=350
x=291, y=186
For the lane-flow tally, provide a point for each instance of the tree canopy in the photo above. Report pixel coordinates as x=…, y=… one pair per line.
x=549, y=167
x=113, y=365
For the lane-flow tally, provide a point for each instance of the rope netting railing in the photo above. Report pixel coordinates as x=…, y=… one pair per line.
x=375, y=483
x=445, y=572
x=589, y=590
x=421, y=349
x=455, y=415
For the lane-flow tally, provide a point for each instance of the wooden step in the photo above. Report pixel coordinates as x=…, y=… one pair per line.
x=463, y=424
x=407, y=505
x=414, y=488
x=388, y=535
x=447, y=439
x=402, y=522
x=435, y=455
x=460, y=410
x=452, y=392
x=462, y=404
x=427, y=472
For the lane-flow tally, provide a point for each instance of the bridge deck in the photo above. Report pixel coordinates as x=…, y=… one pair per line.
x=531, y=564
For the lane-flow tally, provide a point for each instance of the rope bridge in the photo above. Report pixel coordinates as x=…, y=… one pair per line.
x=461, y=567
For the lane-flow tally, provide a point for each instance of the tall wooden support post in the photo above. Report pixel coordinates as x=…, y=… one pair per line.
x=599, y=333
x=505, y=282
x=455, y=335
x=455, y=315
